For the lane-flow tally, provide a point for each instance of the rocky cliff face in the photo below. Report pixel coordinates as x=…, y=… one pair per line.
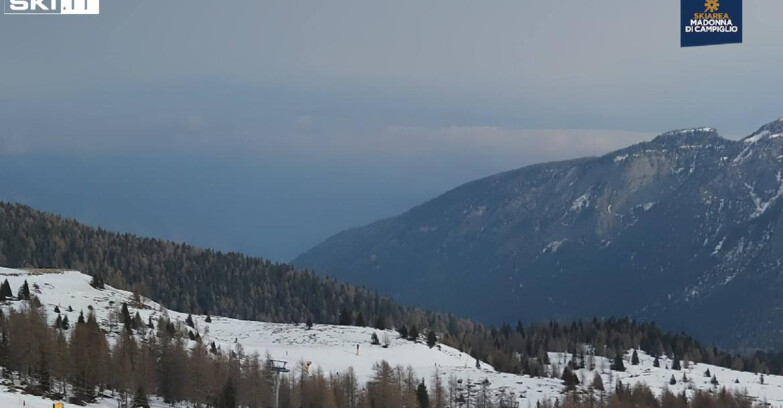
x=681, y=230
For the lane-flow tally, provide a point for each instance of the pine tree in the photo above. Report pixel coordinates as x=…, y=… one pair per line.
x=24, y=292
x=87, y=350
x=439, y=397
x=707, y=373
x=672, y=380
x=4, y=349
x=635, y=358
x=618, y=364
x=374, y=339
x=44, y=377
x=138, y=324
x=413, y=334
x=656, y=362
x=228, y=398
x=598, y=382
x=189, y=321
x=676, y=363
x=5, y=290
x=432, y=339
x=714, y=381
x=403, y=331
x=127, y=320
x=380, y=323
x=422, y=396
x=66, y=324
x=345, y=317
x=570, y=379
x=309, y=323
x=208, y=319
x=520, y=328
x=57, y=309
x=360, y=320
x=478, y=364
x=140, y=400
x=97, y=282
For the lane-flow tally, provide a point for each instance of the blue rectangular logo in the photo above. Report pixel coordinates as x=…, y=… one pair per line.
x=710, y=22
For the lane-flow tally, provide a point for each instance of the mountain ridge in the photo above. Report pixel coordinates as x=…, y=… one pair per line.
x=688, y=216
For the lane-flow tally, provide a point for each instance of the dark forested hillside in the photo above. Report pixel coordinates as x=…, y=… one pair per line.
x=186, y=278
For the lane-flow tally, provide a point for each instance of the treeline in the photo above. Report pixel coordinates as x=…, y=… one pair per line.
x=523, y=349
x=190, y=279
x=641, y=396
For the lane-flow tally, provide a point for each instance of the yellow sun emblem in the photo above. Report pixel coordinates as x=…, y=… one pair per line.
x=711, y=6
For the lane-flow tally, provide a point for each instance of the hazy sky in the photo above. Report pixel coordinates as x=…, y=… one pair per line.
x=266, y=126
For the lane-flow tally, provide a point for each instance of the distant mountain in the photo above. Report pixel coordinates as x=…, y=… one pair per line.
x=684, y=230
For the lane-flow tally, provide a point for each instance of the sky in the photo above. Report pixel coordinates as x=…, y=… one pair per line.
x=267, y=126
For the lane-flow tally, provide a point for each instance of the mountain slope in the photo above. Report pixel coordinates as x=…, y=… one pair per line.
x=194, y=279
x=681, y=230
x=332, y=348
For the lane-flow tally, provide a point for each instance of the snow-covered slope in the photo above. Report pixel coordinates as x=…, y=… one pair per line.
x=328, y=347
x=657, y=379
x=13, y=399
x=333, y=348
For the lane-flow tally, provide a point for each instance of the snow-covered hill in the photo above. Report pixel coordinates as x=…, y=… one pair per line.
x=334, y=348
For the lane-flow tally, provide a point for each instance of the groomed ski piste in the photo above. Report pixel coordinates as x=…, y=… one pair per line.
x=332, y=349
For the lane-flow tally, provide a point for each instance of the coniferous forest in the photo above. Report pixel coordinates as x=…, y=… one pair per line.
x=191, y=279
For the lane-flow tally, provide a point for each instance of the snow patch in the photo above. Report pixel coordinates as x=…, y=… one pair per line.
x=719, y=246
x=554, y=246
x=757, y=136
x=581, y=202
x=761, y=205
x=763, y=135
